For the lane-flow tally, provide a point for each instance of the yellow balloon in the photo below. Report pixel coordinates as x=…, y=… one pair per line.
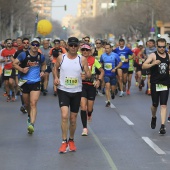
x=44, y=27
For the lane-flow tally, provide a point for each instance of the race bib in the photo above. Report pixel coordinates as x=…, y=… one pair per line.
x=7, y=72
x=122, y=57
x=160, y=87
x=71, y=82
x=108, y=66
x=21, y=82
x=140, y=61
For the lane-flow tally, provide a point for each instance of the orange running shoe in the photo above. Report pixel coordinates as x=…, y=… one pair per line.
x=72, y=146
x=149, y=92
x=5, y=94
x=128, y=92
x=63, y=147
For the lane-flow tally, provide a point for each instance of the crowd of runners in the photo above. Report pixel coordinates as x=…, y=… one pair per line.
x=81, y=70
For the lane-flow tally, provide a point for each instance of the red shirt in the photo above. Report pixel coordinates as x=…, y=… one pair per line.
x=8, y=53
x=136, y=52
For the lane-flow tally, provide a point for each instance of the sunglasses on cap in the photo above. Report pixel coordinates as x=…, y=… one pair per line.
x=85, y=49
x=73, y=45
x=161, y=46
x=35, y=44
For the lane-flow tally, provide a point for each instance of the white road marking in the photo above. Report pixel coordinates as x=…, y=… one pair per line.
x=126, y=120
x=105, y=152
x=153, y=146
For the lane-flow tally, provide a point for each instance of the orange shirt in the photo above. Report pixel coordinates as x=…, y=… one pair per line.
x=8, y=53
x=61, y=49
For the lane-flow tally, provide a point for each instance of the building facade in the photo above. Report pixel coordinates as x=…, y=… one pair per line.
x=43, y=8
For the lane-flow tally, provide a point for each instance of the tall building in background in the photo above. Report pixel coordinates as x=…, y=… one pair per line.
x=93, y=8
x=43, y=7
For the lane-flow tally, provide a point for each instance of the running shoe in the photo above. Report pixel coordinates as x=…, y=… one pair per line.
x=169, y=119
x=30, y=128
x=89, y=119
x=28, y=120
x=55, y=93
x=8, y=99
x=85, y=132
x=112, y=95
x=128, y=92
x=108, y=104
x=162, y=130
x=5, y=94
x=23, y=110
x=153, y=122
x=149, y=92
x=121, y=94
x=44, y=92
x=72, y=146
x=13, y=98
x=63, y=147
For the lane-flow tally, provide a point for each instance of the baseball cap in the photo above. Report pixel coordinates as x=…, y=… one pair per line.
x=35, y=40
x=140, y=43
x=86, y=46
x=57, y=40
x=73, y=40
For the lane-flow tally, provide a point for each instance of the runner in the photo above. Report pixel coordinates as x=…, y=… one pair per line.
x=123, y=53
x=158, y=63
x=89, y=87
x=54, y=53
x=8, y=72
x=149, y=49
x=32, y=67
x=69, y=90
x=111, y=62
x=130, y=70
x=25, y=43
x=45, y=51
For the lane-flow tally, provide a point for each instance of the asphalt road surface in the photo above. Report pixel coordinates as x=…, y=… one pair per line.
x=119, y=137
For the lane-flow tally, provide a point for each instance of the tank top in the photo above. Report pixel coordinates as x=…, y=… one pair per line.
x=70, y=74
x=160, y=73
x=97, y=53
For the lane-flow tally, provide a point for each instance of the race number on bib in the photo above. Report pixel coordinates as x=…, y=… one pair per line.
x=160, y=87
x=7, y=72
x=108, y=66
x=71, y=82
x=122, y=57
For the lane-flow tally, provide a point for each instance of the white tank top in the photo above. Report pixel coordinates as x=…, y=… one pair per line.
x=70, y=74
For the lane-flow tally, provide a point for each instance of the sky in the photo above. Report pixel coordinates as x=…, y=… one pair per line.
x=58, y=12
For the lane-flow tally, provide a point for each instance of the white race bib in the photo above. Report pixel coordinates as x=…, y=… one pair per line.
x=71, y=82
x=160, y=87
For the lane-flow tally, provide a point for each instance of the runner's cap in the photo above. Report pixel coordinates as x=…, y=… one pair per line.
x=140, y=43
x=35, y=40
x=86, y=46
x=73, y=40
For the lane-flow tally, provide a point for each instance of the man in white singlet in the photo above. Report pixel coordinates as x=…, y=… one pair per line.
x=73, y=68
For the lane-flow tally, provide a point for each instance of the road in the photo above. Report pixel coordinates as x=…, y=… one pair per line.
x=119, y=137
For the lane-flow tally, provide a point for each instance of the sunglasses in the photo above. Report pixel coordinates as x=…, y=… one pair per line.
x=35, y=45
x=161, y=46
x=73, y=45
x=85, y=49
x=86, y=40
x=25, y=42
x=98, y=43
x=9, y=43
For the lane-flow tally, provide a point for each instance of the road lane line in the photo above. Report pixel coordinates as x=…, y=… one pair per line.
x=107, y=155
x=153, y=146
x=126, y=120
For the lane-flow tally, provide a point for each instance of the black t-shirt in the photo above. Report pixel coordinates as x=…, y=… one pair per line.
x=160, y=73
